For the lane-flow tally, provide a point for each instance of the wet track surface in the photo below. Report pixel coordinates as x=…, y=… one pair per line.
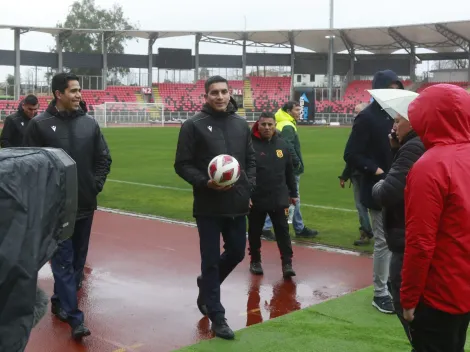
x=140, y=288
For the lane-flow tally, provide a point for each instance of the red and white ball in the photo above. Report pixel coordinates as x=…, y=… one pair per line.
x=224, y=170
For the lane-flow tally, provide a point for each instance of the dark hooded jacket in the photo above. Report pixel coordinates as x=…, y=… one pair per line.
x=390, y=192
x=13, y=129
x=203, y=137
x=368, y=146
x=79, y=135
x=275, y=180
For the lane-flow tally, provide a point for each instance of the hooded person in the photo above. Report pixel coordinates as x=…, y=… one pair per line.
x=389, y=192
x=368, y=151
x=435, y=286
x=15, y=124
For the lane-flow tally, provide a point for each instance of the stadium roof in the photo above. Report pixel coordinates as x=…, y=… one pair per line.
x=440, y=37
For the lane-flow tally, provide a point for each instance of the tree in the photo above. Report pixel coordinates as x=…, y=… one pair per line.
x=84, y=14
x=458, y=64
x=10, y=87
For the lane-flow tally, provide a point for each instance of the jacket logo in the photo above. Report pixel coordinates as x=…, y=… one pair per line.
x=209, y=128
x=22, y=123
x=53, y=128
x=279, y=153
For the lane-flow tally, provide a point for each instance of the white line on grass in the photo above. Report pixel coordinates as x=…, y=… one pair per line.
x=190, y=190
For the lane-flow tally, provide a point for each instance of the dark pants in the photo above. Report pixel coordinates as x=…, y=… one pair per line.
x=278, y=217
x=396, y=264
x=67, y=266
x=215, y=267
x=436, y=331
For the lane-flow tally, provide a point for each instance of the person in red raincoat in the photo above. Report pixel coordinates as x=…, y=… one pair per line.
x=435, y=291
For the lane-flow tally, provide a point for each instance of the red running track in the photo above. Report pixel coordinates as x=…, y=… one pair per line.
x=140, y=288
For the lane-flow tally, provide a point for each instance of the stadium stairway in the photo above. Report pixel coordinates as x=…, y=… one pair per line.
x=247, y=97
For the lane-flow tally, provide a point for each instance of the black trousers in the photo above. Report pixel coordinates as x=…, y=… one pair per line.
x=396, y=264
x=67, y=266
x=433, y=330
x=215, y=267
x=256, y=220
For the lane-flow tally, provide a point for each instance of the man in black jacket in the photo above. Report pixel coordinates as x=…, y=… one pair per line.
x=216, y=130
x=389, y=193
x=276, y=189
x=368, y=151
x=65, y=125
x=15, y=124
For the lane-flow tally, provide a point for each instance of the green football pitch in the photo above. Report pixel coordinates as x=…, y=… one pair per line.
x=143, y=180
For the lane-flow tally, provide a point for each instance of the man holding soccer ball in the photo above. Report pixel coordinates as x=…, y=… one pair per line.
x=219, y=207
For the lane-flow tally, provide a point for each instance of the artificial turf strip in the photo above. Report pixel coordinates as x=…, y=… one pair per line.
x=345, y=324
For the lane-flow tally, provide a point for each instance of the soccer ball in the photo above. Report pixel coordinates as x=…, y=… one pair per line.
x=224, y=170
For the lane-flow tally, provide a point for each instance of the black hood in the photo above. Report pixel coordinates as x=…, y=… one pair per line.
x=52, y=109
x=232, y=108
x=383, y=79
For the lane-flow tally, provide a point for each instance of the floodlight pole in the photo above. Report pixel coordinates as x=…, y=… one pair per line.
x=331, y=53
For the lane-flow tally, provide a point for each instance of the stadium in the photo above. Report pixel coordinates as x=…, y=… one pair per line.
x=144, y=250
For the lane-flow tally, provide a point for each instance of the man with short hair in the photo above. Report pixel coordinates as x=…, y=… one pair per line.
x=286, y=119
x=216, y=130
x=65, y=125
x=276, y=189
x=15, y=124
x=368, y=151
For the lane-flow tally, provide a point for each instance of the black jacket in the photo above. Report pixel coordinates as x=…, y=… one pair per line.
x=368, y=146
x=13, y=129
x=389, y=193
x=275, y=180
x=203, y=137
x=79, y=135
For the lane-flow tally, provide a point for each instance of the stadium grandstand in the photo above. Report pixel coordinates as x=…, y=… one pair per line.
x=282, y=76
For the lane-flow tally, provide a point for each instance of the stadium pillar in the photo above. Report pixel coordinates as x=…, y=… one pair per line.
x=17, y=64
x=152, y=38
x=413, y=63
x=104, y=47
x=60, y=57
x=331, y=54
x=292, y=64
x=244, y=57
x=196, y=56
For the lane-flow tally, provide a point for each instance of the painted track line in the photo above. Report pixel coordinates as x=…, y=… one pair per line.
x=325, y=207
x=193, y=224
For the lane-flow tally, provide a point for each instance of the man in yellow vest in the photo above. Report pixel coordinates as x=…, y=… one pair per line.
x=286, y=123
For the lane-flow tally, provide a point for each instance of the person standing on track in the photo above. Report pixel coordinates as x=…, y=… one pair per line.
x=216, y=130
x=435, y=288
x=65, y=125
x=14, y=126
x=276, y=189
x=368, y=151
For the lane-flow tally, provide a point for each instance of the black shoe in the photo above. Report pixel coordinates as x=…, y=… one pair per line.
x=221, y=329
x=307, y=233
x=383, y=304
x=287, y=271
x=364, y=240
x=57, y=310
x=256, y=268
x=80, y=331
x=268, y=235
x=200, y=301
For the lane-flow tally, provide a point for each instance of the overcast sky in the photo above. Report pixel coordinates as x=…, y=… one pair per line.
x=204, y=15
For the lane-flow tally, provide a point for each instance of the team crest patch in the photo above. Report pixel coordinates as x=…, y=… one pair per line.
x=279, y=153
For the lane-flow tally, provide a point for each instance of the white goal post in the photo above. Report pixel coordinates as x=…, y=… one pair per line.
x=129, y=114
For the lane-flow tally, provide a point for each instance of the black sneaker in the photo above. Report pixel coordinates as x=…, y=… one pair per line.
x=268, y=235
x=287, y=271
x=221, y=329
x=200, y=301
x=256, y=268
x=57, y=310
x=384, y=304
x=307, y=233
x=80, y=331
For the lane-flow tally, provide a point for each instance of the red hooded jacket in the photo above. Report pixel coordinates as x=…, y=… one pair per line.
x=436, y=266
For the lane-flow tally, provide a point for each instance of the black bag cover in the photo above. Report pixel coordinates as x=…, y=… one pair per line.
x=38, y=206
